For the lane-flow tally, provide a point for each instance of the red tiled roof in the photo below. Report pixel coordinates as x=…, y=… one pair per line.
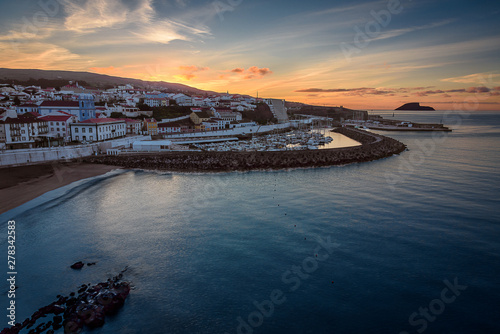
x=101, y=120
x=22, y=119
x=176, y=124
x=53, y=118
x=60, y=104
x=65, y=113
x=28, y=105
x=33, y=113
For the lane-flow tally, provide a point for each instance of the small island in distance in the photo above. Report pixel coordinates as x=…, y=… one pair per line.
x=414, y=106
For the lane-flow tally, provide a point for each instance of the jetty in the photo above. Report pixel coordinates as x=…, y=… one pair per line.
x=373, y=146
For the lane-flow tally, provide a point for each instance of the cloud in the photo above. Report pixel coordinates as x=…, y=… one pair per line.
x=188, y=72
x=42, y=55
x=252, y=72
x=140, y=19
x=185, y=77
x=429, y=92
x=481, y=89
x=349, y=91
x=399, y=32
x=259, y=71
x=473, y=78
x=462, y=90
x=395, y=91
x=319, y=90
x=478, y=90
x=95, y=14
x=193, y=68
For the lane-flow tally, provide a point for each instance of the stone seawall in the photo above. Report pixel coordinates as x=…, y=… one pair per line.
x=373, y=147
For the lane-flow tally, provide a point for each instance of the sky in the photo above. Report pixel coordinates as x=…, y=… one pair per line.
x=358, y=54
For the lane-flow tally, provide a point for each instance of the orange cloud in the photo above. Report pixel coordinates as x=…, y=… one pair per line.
x=252, y=72
x=193, y=68
x=185, y=77
x=478, y=90
x=188, y=72
x=260, y=71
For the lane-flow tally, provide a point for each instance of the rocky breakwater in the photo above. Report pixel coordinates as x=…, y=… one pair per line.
x=86, y=308
x=373, y=147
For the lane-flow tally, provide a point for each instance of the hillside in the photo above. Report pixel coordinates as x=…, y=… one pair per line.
x=96, y=80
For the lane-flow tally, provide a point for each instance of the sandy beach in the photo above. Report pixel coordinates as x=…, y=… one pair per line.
x=19, y=185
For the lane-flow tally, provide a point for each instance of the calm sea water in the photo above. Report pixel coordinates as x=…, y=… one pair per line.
x=364, y=248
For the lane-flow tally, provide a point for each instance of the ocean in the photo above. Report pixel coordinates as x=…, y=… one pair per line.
x=407, y=244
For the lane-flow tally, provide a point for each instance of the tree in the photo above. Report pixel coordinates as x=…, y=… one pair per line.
x=142, y=106
x=117, y=115
x=17, y=101
x=262, y=114
x=160, y=113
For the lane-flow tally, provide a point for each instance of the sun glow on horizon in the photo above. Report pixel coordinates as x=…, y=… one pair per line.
x=318, y=54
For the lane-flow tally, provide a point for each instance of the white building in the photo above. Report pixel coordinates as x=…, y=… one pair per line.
x=23, y=132
x=134, y=126
x=83, y=109
x=215, y=124
x=98, y=129
x=156, y=102
x=28, y=107
x=168, y=128
x=182, y=100
x=59, y=126
x=197, y=101
x=226, y=114
x=152, y=146
x=238, y=124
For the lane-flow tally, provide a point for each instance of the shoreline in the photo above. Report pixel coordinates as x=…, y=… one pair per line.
x=20, y=185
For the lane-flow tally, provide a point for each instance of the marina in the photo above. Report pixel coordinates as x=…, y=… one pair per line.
x=294, y=140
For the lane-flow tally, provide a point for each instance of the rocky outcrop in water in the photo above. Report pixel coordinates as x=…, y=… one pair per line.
x=414, y=106
x=373, y=147
x=88, y=307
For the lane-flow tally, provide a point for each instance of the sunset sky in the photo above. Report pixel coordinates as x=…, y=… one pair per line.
x=359, y=54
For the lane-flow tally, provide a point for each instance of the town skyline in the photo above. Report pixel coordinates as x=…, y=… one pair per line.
x=366, y=55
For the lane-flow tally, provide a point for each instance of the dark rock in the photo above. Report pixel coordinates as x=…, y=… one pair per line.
x=414, y=106
x=77, y=265
x=58, y=309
